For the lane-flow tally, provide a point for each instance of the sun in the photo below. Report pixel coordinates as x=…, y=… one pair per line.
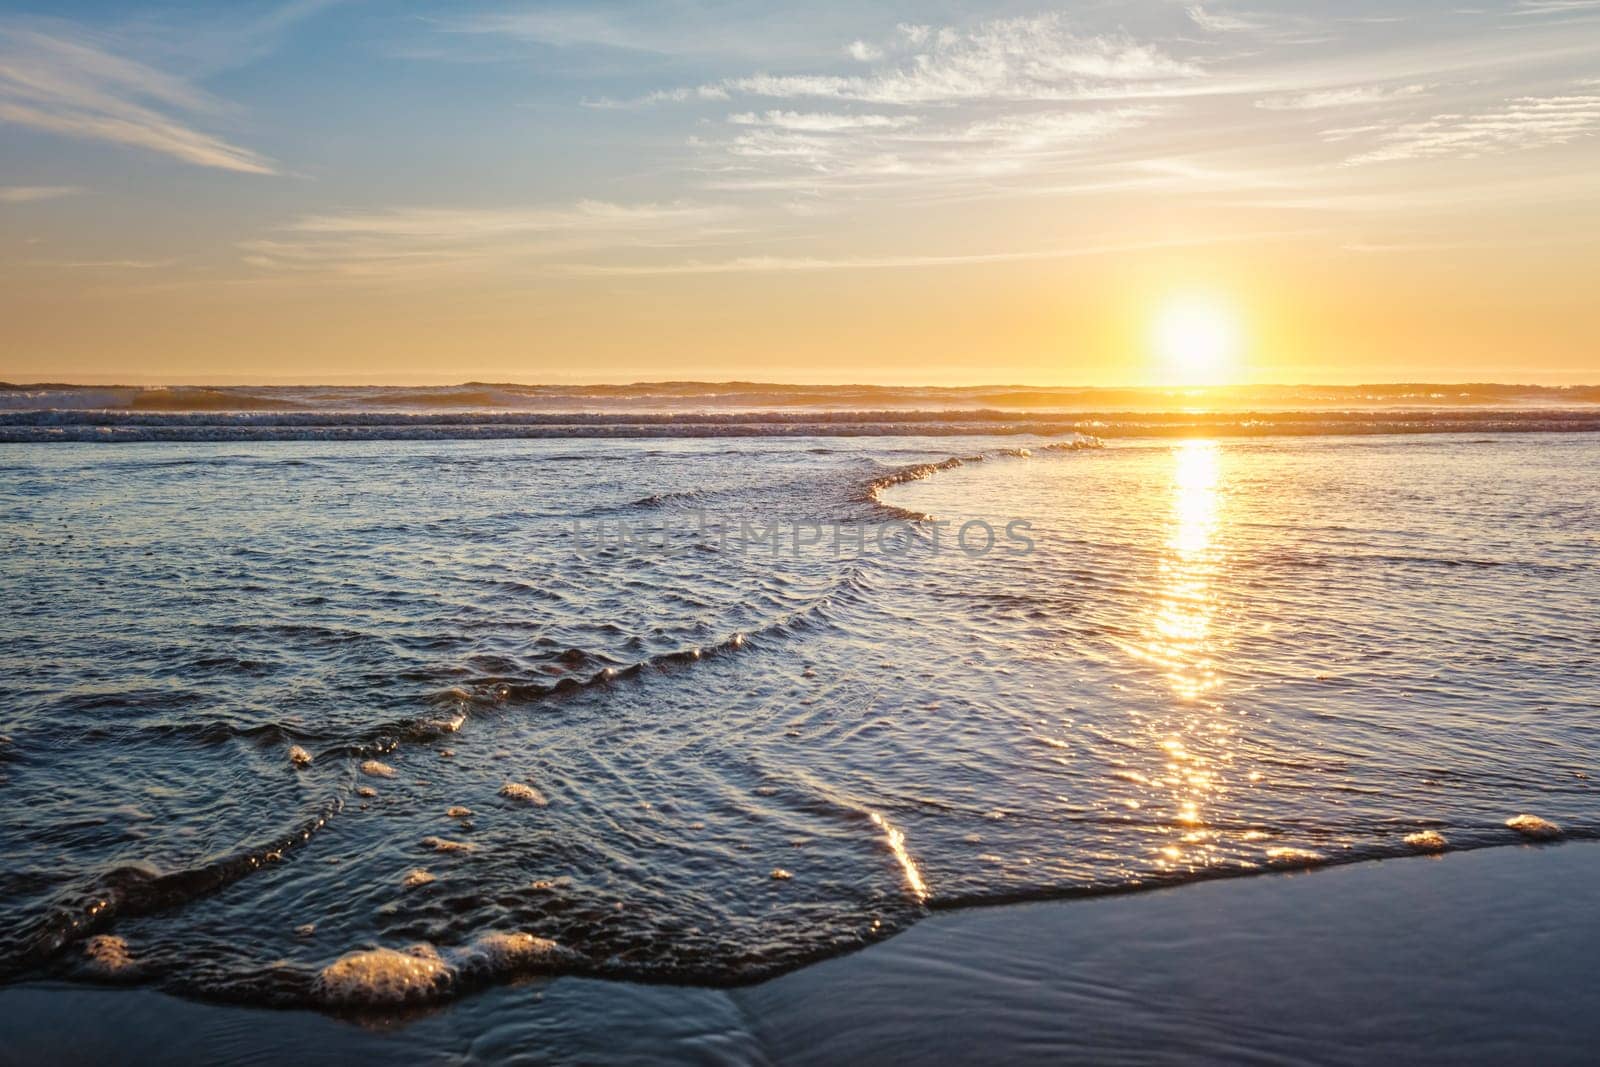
x=1196, y=340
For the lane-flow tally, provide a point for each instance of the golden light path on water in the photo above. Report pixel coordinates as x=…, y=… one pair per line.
x=1179, y=639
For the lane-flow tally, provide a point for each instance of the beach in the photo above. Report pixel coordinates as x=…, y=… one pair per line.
x=1473, y=957
x=590, y=532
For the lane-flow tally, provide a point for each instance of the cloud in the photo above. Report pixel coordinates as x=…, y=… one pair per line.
x=772, y=264
x=67, y=87
x=1557, y=7
x=1217, y=22
x=1036, y=58
x=822, y=123
x=562, y=28
x=862, y=51
x=428, y=241
x=662, y=96
x=1351, y=96
x=1051, y=129
x=788, y=150
x=992, y=101
x=1524, y=123
x=25, y=194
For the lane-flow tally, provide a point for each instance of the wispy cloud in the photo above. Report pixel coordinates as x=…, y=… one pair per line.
x=561, y=27
x=813, y=122
x=1037, y=58
x=1557, y=7
x=428, y=241
x=1524, y=123
x=1350, y=96
x=678, y=95
x=774, y=264
x=1220, y=22
x=76, y=89
x=25, y=194
x=935, y=149
x=996, y=100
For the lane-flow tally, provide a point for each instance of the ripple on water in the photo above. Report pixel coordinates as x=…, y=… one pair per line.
x=939, y=689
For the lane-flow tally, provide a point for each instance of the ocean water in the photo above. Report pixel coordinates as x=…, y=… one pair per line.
x=374, y=722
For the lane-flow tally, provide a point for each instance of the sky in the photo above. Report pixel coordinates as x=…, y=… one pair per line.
x=936, y=193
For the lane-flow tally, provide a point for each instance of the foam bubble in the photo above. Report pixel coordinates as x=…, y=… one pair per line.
x=456, y=811
x=781, y=875
x=299, y=756
x=501, y=950
x=1534, y=827
x=377, y=769
x=416, y=877
x=442, y=844
x=527, y=794
x=366, y=791
x=1427, y=841
x=384, y=976
x=108, y=955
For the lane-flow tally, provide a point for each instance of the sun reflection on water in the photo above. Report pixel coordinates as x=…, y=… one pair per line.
x=1186, y=597
x=1179, y=639
x=896, y=840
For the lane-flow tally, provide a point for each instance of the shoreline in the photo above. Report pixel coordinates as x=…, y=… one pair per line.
x=1472, y=956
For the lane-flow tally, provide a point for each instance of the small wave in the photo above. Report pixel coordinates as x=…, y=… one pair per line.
x=180, y=399
x=139, y=890
x=275, y=422
x=871, y=490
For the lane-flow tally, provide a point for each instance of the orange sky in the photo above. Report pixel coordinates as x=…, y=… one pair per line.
x=331, y=192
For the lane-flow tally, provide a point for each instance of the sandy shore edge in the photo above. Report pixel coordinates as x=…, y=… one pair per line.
x=1482, y=956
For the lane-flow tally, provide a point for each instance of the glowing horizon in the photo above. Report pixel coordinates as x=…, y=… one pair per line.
x=314, y=191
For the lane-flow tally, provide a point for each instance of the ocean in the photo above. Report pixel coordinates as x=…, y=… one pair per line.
x=365, y=698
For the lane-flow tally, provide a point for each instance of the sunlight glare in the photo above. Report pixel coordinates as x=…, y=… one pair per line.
x=1196, y=340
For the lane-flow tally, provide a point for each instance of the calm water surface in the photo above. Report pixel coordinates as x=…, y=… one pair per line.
x=712, y=763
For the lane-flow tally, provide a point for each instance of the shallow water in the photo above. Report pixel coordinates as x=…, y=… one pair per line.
x=1220, y=656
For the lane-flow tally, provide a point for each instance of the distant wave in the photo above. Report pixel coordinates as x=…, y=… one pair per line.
x=759, y=396
x=125, y=425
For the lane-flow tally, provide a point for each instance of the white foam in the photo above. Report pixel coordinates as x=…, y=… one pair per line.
x=377, y=769
x=1534, y=827
x=416, y=877
x=527, y=794
x=443, y=844
x=1427, y=841
x=503, y=951
x=299, y=756
x=384, y=976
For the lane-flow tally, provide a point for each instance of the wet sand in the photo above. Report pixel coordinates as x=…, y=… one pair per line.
x=1482, y=956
